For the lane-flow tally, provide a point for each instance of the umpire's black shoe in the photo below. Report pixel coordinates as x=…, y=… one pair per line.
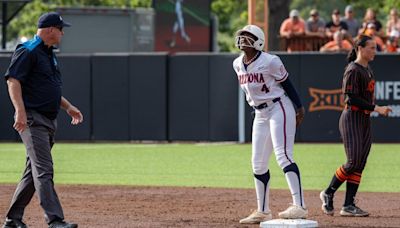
x=14, y=223
x=353, y=211
x=327, y=203
x=62, y=224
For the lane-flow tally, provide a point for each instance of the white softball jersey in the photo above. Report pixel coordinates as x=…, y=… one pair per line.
x=261, y=80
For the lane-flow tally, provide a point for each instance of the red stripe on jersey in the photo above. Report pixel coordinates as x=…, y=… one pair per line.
x=283, y=79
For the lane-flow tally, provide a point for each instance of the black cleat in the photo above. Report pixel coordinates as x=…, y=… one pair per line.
x=327, y=203
x=353, y=211
x=62, y=224
x=14, y=223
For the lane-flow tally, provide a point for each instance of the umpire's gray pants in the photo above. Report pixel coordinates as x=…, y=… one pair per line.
x=38, y=139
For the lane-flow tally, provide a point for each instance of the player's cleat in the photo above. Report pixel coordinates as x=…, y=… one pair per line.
x=294, y=212
x=353, y=211
x=327, y=203
x=62, y=224
x=256, y=217
x=14, y=223
x=187, y=39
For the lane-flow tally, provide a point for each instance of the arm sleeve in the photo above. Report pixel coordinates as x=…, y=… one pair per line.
x=291, y=92
x=359, y=102
x=277, y=70
x=351, y=82
x=20, y=65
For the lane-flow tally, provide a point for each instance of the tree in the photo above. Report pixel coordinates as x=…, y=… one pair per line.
x=382, y=7
x=25, y=23
x=232, y=15
x=278, y=11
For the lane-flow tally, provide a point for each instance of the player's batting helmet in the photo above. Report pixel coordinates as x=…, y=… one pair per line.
x=256, y=31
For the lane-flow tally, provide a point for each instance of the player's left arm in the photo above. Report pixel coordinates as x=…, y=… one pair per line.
x=294, y=96
x=278, y=71
x=72, y=111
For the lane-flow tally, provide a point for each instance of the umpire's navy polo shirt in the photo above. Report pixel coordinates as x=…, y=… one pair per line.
x=35, y=66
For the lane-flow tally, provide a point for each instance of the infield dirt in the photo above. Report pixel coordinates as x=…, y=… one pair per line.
x=131, y=206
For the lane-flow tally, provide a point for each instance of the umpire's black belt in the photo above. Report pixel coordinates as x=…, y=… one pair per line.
x=264, y=105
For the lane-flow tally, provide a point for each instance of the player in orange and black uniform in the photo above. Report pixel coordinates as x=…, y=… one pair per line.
x=355, y=126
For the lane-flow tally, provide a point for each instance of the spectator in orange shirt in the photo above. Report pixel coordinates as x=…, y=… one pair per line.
x=392, y=43
x=338, y=44
x=292, y=27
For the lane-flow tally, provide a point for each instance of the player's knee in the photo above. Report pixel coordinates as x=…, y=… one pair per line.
x=359, y=168
x=259, y=168
x=350, y=167
x=292, y=168
x=284, y=161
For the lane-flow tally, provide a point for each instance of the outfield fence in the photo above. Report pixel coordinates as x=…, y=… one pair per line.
x=194, y=96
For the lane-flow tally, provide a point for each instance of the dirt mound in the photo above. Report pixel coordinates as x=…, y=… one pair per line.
x=131, y=206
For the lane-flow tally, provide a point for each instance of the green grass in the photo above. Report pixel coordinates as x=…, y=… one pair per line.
x=208, y=165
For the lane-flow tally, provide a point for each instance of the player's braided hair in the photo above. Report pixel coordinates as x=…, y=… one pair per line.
x=361, y=41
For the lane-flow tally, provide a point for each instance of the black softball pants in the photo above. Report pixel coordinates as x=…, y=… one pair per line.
x=355, y=129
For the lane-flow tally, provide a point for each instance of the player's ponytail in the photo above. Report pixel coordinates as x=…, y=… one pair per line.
x=361, y=41
x=352, y=55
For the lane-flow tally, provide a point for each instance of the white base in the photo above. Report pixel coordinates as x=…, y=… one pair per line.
x=289, y=223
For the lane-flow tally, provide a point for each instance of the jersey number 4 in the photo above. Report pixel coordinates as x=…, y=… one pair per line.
x=265, y=89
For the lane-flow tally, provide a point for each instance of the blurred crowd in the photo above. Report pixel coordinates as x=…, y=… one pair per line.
x=340, y=31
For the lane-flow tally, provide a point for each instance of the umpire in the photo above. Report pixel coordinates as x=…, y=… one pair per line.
x=34, y=85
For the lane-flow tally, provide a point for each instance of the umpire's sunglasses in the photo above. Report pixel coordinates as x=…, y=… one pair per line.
x=59, y=28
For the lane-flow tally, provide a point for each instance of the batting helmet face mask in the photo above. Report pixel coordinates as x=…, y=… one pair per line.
x=248, y=41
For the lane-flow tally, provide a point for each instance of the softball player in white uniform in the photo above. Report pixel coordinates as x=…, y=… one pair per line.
x=268, y=90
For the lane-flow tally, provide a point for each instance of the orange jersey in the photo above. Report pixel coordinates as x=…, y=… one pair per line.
x=332, y=45
x=391, y=48
x=289, y=26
